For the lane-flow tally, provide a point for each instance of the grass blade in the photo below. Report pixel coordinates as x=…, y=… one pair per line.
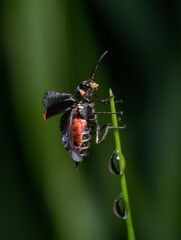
x=122, y=163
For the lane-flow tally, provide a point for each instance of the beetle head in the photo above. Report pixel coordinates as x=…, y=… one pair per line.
x=85, y=87
x=88, y=86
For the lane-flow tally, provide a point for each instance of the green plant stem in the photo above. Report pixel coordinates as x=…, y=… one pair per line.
x=122, y=163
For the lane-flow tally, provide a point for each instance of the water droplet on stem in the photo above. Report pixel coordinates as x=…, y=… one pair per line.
x=113, y=163
x=119, y=207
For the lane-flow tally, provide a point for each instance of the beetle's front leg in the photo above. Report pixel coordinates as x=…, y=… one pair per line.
x=105, y=101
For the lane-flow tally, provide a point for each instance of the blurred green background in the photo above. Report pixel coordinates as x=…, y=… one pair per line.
x=53, y=45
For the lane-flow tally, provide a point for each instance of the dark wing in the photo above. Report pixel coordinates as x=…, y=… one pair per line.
x=68, y=138
x=56, y=103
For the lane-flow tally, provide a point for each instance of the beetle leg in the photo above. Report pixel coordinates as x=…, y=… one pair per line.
x=109, y=112
x=105, y=125
x=97, y=133
x=106, y=132
x=97, y=129
x=106, y=100
x=108, y=124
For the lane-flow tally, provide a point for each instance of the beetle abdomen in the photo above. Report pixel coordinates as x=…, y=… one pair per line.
x=81, y=134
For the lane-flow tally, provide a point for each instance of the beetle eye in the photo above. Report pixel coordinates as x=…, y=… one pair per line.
x=82, y=86
x=85, y=85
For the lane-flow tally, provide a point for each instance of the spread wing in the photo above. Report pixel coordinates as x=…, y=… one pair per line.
x=56, y=103
x=68, y=138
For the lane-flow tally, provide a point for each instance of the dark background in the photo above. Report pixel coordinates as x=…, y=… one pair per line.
x=53, y=45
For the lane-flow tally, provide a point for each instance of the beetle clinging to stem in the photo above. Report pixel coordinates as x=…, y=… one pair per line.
x=79, y=120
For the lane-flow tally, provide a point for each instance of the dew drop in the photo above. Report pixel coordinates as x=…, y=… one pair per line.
x=113, y=163
x=119, y=207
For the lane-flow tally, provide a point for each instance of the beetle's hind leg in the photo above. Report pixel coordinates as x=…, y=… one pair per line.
x=107, y=126
x=106, y=132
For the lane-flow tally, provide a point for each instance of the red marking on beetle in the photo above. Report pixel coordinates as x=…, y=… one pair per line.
x=44, y=116
x=78, y=128
x=82, y=93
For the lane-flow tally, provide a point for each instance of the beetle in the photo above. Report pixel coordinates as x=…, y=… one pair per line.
x=79, y=120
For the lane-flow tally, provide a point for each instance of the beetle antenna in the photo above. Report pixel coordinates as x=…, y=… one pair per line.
x=97, y=64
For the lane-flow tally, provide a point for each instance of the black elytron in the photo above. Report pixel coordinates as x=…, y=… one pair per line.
x=79, y=120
